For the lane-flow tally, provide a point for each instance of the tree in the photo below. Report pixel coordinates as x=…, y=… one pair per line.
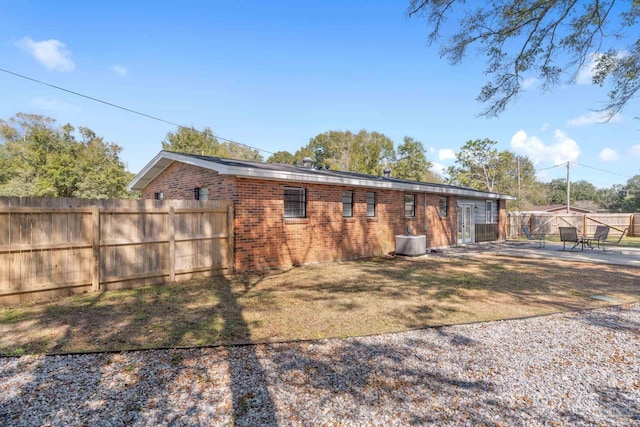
x=526, y=38
x=412, y=162
x=37, y=158
x=364, y=152
x=481, y=166
x=204, y=142
x=478, y=162
x=282, y=157
x=516, y=176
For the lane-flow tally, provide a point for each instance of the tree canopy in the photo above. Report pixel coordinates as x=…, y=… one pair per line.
x=481, y=166
x=550, y=40
x=193, y=141
x=39, y=158
x=364, y=152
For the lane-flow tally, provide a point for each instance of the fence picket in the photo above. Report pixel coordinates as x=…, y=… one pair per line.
x=52, y=247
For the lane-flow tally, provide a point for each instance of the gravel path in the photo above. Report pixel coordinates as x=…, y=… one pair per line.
x=569, y=369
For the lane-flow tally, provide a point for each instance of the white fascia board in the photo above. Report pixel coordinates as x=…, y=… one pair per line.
x=146, y=170
x=346, y=181
x=309, y=177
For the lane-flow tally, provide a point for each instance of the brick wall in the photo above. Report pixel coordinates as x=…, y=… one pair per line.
x=265, y=239
x=179, y=181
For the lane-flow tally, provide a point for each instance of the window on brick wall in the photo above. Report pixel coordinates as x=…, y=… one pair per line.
x=295, y=202
x=347, y=203
x=371, y=204
x=409, y=205
x=490, y=218
x=158, y=196
x=202, y=193
x=443, y=207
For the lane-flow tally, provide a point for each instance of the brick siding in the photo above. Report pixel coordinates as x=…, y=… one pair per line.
x=265, y=239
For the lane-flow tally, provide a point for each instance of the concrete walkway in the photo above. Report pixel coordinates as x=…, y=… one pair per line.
x=615, y=255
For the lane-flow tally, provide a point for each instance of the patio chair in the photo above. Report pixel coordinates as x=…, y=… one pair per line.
x=570, y=234
x=540, y=238
x=600, y=236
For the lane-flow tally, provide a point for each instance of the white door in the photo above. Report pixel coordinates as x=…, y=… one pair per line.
x=466, y=224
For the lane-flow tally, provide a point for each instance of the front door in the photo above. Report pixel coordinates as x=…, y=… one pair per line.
x=466, y=224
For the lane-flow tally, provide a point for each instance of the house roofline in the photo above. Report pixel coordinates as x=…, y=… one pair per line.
x=165, y=158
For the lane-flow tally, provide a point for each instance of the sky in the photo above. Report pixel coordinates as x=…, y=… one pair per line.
x=275, y=74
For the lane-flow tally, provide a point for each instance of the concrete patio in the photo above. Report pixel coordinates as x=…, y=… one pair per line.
x=613, y=255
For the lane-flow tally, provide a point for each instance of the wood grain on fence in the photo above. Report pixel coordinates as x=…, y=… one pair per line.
x=547, y=223
x=54, y=247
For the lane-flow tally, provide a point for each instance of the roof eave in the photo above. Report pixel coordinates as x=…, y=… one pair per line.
x=161, y=161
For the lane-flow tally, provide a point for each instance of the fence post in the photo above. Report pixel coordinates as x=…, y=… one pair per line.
x=230, y=238
x=584, y=224
x=95, y=238
x=172, y=243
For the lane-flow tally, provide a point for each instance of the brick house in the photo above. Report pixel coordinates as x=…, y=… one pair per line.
x=288, y=215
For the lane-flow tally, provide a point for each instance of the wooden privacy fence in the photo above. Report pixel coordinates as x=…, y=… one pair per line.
x=53, y=247
x=547, y=223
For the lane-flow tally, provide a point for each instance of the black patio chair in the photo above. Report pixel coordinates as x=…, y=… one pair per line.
x=540, y=238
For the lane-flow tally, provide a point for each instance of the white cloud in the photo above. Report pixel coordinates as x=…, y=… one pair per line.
x=438, y=168
x=53, y=54
x=562, y=150
x=446, y=154
x=609, y=155
x=593, y=117
x=120, y=70
x=53, y=105
x=544, y=127
x=635, y=150
x=586, y=72
x=528, y=83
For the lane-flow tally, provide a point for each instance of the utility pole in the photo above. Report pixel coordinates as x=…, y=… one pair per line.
x=519, y=192
x=568, y=190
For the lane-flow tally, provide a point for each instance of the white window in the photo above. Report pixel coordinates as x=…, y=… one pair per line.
x=202, y=193
x=347, y=203
x=410, y=205
x=371, y=204
x=489, y=212
x=295, y=202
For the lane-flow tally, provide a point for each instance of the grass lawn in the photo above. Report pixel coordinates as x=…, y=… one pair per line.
x=318, y=301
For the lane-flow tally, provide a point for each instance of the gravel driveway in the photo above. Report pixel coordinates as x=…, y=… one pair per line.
x=569, y=369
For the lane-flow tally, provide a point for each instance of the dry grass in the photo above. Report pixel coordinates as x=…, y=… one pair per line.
x=326, y=300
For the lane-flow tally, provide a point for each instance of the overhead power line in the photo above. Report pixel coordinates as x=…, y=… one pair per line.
x=149, y=116
x=602, y=170
x=562, y=165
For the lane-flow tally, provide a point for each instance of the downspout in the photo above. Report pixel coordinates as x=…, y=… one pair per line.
x=425, y=213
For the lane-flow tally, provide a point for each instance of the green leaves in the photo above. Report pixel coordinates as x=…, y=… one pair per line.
x=37, y=158
x=204, y=143
x=548, y=39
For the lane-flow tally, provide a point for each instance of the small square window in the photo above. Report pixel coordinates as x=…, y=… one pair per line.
x=158, y=196
x=347, y=203
x=410, y=205
x=443, y=207
x=202, y=193
x=295, y=202
x=371, y=204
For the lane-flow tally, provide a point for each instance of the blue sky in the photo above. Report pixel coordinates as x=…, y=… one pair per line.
x=275, y=74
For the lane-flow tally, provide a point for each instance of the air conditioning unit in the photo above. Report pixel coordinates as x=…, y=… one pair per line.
x=411, y=245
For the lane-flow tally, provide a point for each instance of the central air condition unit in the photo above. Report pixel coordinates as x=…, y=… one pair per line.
x=411, y=245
